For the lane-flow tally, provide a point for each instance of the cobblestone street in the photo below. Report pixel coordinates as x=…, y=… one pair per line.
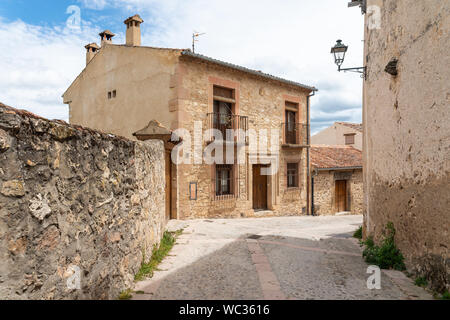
x=270, y=258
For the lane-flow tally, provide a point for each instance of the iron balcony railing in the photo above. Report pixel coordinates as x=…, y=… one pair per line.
x=225, y=122
x=295, y=134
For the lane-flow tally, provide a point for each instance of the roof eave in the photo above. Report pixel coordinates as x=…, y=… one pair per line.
x=246, y=70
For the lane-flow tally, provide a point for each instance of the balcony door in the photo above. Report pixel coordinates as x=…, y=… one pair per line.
x=291, y=130
x=223, y=117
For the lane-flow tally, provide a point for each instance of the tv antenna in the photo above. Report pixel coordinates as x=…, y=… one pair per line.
x=195, y=37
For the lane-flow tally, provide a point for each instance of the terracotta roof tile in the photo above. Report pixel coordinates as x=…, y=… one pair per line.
x=326, y=157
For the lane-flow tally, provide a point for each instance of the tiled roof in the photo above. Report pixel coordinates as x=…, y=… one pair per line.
x=327, y=157
x=355, y=126
x=189, y=53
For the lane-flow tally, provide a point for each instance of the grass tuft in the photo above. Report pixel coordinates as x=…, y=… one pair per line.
x=167, y=243
x=358, y=234
x=386, y=256
x=421, y=282
x=125, y=295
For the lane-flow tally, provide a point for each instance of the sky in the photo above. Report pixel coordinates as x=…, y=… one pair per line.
x=42, y=47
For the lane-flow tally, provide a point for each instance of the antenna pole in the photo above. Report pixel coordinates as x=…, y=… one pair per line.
x=195, y=35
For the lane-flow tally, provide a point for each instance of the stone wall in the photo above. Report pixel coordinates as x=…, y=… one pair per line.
x=74, y=198
x=406, y=119
x=324, y=192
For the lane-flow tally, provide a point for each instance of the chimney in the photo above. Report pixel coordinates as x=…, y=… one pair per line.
x=106, y=37
x=134, y=30
x=92, y=50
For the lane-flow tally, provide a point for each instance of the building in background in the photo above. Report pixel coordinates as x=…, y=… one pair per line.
x=337, y=181
x=123, y=87
x=406, y=120
x=341, y=133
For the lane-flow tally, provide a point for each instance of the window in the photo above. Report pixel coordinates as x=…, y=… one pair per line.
x=112, y=94
x=349, y=139
x=224, y=179
x=292, y=175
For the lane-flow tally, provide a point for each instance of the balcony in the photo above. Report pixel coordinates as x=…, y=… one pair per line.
x=295, y=135
x=224, y=122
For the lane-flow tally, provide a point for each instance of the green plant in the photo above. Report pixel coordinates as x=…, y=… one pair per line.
x=358, y=234
x=158, y=254
x=446, y=295
x=421, y=282
x=125, y=295
x=386, y=256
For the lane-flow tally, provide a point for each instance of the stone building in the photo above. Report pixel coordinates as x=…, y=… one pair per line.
x=341, y=133
x=337, y=181
x=407, y=130
x=123, y=87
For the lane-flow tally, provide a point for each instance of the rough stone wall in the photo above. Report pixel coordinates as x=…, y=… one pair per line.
x=324, y=193
x=407, y=125
x=74, y=197
x=263, y=102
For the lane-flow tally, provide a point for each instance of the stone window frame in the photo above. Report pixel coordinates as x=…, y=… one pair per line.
x=297, y=186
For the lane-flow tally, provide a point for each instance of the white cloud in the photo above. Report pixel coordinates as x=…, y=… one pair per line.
x=94, y=4
x=290, y=38
x=38, y=64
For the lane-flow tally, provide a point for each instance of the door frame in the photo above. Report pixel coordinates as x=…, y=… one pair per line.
x=254, y=194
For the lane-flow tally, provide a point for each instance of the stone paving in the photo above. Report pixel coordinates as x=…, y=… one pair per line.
x=270, y=258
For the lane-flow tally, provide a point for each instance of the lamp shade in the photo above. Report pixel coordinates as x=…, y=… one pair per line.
x=339, y=51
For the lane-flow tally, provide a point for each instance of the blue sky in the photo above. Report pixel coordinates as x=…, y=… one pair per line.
x=289, y=38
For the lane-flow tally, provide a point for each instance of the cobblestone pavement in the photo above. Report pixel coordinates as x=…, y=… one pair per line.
x=270, y=258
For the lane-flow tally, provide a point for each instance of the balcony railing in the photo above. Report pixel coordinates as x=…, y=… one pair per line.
x=224, y=122
x=295, y=134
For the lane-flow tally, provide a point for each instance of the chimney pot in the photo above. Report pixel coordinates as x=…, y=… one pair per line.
x=133, y=30
x=106, y=37
x=91, y=51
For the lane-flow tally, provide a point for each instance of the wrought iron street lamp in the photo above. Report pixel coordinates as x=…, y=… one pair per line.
x=339, y=51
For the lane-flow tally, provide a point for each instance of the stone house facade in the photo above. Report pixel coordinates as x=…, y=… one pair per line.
x=123, y=87
x=406, y=131
x=337, y=180
x=341, y=133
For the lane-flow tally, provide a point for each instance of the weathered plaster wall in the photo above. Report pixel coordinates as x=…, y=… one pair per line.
x=263, y=102
x=325, y=188
x=407, y=122
x=140, y=75
x=74, y=197
x=334, y=135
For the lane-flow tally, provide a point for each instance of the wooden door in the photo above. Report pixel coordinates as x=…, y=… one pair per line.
x=259, y=188
x=341, y=195
x=168, y=186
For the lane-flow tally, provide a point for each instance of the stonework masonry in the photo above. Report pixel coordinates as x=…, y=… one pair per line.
x=74, y=198
x=324, y=192
x=407, y=125
x=263, y=102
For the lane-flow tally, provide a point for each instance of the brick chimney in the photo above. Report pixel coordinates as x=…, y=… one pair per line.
x=106, y=37
x=134, y=30
x=92, y=50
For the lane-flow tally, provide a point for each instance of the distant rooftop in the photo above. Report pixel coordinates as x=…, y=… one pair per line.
x=333, y=157
x=355, y=126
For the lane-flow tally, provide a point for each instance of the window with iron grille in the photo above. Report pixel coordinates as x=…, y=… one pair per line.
x=224, y=180
x=292, y=175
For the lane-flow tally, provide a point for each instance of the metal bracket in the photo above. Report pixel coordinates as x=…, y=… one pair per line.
x=361, y=70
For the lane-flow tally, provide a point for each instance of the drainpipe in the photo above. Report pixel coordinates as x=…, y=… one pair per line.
x=308, y=161
x=312, y=191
